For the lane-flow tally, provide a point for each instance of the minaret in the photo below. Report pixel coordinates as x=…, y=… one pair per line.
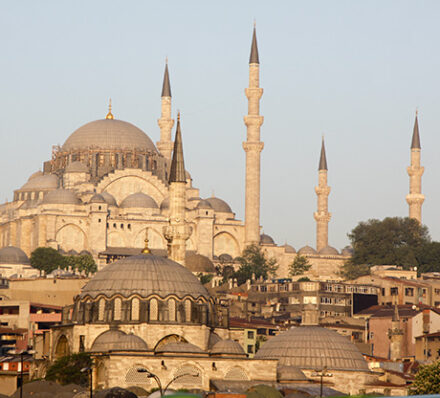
x=415, y=198
x=178, y=231
x=395, y=334
x=165, y=145
x=253, y=147
x=322, y=216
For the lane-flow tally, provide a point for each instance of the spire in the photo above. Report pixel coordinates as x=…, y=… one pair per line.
x=177, y=171
x=110, y=114
x=322, y=159
x=166, y=88
x=396, y=316
x=146, y=249
x=415, y=144
x=253, y=59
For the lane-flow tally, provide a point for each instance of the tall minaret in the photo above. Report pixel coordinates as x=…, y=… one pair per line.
x=178, y=231
x=253, y=147
x=415, y=198
x=165, y=145
x=395, y=334
x=322, y=216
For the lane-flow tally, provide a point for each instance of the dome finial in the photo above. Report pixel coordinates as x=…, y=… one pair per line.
x=146, y=250
x=110, y=114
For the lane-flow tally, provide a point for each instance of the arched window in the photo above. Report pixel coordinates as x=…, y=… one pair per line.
x=153, y=309
x=135, y=309
x=193, y=376
x=117, y=309
x=188, y=310
x=172, y=310
x=236, y=373
x=101, y=309
x=134, y=377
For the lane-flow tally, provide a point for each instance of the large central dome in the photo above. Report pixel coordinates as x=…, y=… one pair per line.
x=109, y=134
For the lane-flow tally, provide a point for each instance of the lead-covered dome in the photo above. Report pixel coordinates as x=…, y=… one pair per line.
x=329, y=251
x=117, y=340
x=13, y=255
x=38, y=181
x=313, y=347
x=109, y=134
x=219, y=205
x=139, y=199
x=230, y=347
x=62, y=196
x=307, y=250
x=144, y=275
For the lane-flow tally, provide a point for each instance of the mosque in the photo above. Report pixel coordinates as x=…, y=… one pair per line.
x=108, y=186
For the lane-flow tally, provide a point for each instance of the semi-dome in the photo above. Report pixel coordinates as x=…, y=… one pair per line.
x=199, y=263
x=139, y=199
x=289, y=249
x=97, y=198
x=110, y=200
x=230, y=347
x=329, y=251
x=76, y=167
x=117, y=340
x=61, y=196
x=109, y=134
x=313, y=347
x=41, y=182
x=204, y=204
x=144, y=275
x=219, y=205
x=307, y=250
x=13, y=255
x=290, y=373
x=180, y=347
x=266, y=240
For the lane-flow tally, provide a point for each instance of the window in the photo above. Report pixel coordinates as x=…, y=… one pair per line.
x=172, y=310
x=153, y=309
x=117, y=310
x=250, y=334
x=250, y=349
x=101, y=309
x=135, y=309
x=394, y=291
x=188, y=310
x=310, y=300
x=81, y=343
x=409, y=291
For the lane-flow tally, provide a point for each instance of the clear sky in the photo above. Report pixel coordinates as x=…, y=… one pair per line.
x=352, y=70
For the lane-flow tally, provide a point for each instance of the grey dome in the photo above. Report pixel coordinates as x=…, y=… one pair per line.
x=177, y=346
x=144, y=275
x=139, y=199
x=13, y=255
x=76, y=167
x=231, y=347
x=199, y=263
x=61, y=196
x=109, y=134
x=307, y=250
x=289, y=249
x=313, y=347
x=204, y=204
x=329, y=250
x=110, y=200
x=219, y=205
x=97, y=198
x=266, y=240
x=290, y=373
x=41, y=182
x=117, y=340
x=347, y=251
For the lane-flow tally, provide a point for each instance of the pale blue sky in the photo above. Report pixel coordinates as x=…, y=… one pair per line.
x=353, y=70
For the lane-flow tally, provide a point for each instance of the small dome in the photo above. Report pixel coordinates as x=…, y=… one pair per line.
x=38, y=173
x=290, y=373
x=177, y=346
x=266, y=240
x=165, y=205
x=144, y=275
x=110, y=134
x=13, y=255
x=199, y=263
x=97, y=198
x=109, y=199
x=230, y=347
x=139, y=199
x=76, y=167
x=61, y=196
x=307, y=250
x=225, y=258
x=329, y=251
x=219, y=205
x=204, y=204
x=347, y=251
x=289, y=249
x=41, y=182
x=313, y=347
x=117, y=340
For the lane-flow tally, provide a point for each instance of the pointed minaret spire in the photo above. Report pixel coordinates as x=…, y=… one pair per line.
x=165, y=145
x=177, y=171
x=415, y=198
x=253, y=59
x=323, y=158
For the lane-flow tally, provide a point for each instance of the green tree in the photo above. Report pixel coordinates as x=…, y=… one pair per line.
x=46, y=259
x=253, y=261
x=428, y=257
x=299, y=265
x=67, y=369
x=427, y=380
x=350, y=271
x=82, y=262
x=205, y=278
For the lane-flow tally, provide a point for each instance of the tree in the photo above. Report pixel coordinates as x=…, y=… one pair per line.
x=351, y=271
x=82, y=262
x=46, y=259
x=205, y=278
x=428, y=257
x=299, y=265
x=253, y=261
x=427, y=380
x=392, y=241
x=67, y=369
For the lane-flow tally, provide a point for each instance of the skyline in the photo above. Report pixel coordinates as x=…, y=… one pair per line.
x=361, y=93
